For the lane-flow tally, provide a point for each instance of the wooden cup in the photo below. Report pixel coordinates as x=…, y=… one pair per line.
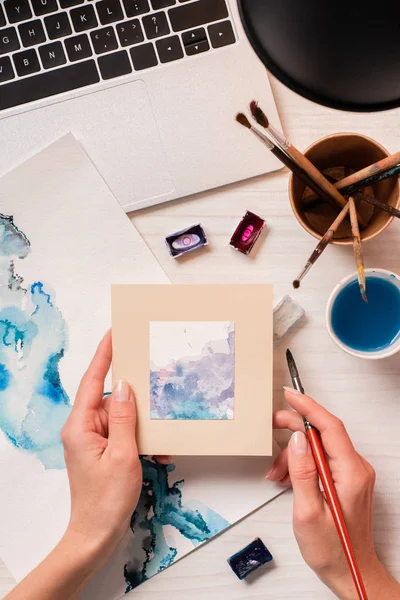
x=352, y=151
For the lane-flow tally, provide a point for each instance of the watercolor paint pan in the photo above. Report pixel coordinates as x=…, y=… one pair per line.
x=250, y=558
x=186, y=240
x=247, y=233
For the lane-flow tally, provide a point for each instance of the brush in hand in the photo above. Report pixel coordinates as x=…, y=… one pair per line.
x=358, y=254
x=322, y=245
x=321, y=186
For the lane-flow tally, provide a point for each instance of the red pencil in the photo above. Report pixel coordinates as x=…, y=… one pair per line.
x=325, y=475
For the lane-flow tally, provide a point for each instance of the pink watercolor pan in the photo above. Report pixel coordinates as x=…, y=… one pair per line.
x=247, y=233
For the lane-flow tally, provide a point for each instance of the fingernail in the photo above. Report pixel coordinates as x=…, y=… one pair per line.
x=270, y=472
x=121, y=391
x=298, y=443
x=292, y=390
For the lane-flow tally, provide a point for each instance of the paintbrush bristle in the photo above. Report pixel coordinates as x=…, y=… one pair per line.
x=291, y=364
x=243, y=120
x=259, y=114
x=296, y=284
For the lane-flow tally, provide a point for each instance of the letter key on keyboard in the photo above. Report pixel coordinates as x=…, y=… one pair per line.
x=8, y=40
x=17, y=10
x=58, y=25
x=2, y=17
x=109, y=11
x=52, y=55
x=6, y=69
x=32, y=33
x=83, y=18
x=42, y=7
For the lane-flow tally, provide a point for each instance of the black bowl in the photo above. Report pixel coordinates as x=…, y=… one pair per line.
x=341, y=53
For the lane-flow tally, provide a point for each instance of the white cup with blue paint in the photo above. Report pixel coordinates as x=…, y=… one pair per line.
x=366, y=330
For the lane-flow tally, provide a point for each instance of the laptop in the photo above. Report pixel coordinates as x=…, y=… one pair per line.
x=149, y=87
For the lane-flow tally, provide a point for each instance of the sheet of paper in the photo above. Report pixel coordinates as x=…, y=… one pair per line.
x=200, y=365
x=67, y=242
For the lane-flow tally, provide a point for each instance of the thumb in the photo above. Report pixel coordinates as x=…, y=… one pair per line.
x=122, y=418
x=307, y=497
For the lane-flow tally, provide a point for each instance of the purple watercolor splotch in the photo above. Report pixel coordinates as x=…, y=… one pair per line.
x=197, y=387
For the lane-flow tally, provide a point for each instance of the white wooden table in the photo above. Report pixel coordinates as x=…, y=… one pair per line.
x=364, y=394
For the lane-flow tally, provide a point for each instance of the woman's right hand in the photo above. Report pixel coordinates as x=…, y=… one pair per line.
x=313, y=524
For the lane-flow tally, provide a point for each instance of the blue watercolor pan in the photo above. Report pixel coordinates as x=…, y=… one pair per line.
x=186, y=240
x=249, y=559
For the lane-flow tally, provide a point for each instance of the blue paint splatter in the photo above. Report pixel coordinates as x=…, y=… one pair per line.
x=33, y=339
x=161, y=504
x=34, y=406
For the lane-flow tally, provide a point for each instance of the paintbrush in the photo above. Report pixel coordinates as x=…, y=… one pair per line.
x=387, y=167
x=326, y=189
x=322, y=245
x=395, y=212
x=278, y=152
x=284, y=158
x=325, y=475
x=358, y=254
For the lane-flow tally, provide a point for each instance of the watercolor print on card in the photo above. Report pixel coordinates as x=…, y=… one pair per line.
x=34, y=406
x=192, y=370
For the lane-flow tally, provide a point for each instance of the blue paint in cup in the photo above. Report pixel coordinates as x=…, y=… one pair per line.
x=368, y=330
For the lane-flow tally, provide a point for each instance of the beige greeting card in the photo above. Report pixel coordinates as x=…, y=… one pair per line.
x=199, y=358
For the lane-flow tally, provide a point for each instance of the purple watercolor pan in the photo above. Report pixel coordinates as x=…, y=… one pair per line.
x=186, y=240
x=247, y=233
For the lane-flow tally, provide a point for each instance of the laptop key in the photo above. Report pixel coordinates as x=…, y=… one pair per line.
x=130, y=33
x=58, y=25
x=221, y=34
x=143, y=57
x=109, y=11
x=32, y=33
x=104, y=40
x=197, y=48
x=52, y=55
x=169, y=49
x=6, y=69
x=78, y=47
x=68, y=3
x=156, y=25
x=2, y=17
x=197, y=13
x=9, y=40
x=17, y=10
x=42, y=7
x=48, y=83
x=114, y=65
x=136, y=7
x=83, y=18
x=196, y=35
x=26, y=62
x=157, y=4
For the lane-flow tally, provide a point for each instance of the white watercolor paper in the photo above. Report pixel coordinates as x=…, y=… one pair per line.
x=67, y=242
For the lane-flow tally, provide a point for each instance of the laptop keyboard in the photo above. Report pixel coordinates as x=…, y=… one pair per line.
x=48, y=47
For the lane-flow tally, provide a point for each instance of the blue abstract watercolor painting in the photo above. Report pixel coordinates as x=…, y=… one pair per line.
x=161, y=504
x=192, y=370
x=34, y=406
x=33, y=340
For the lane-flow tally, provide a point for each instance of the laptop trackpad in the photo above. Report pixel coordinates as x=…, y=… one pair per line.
x=119, y=132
